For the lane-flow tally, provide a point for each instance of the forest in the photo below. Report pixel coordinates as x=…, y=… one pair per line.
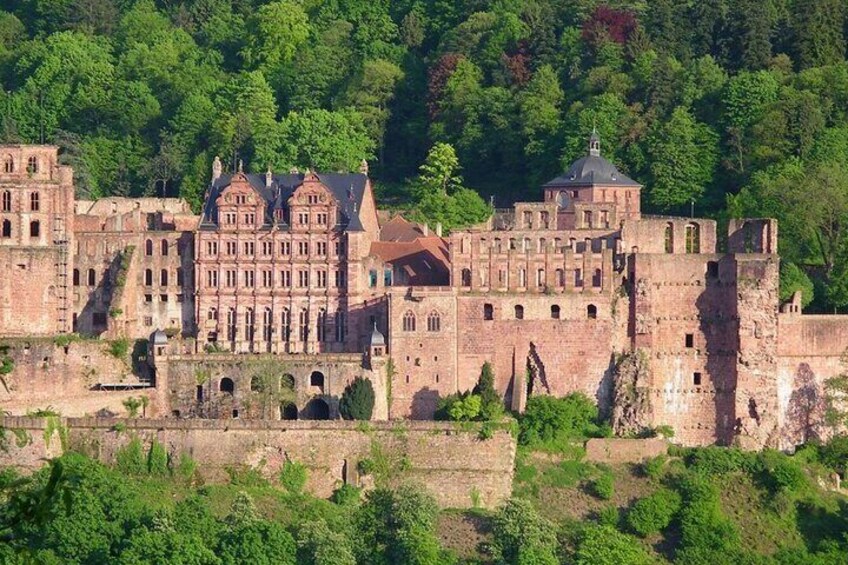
x=725, y=107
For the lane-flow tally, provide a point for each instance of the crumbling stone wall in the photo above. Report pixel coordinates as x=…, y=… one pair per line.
x=632, y=411
x=454, y=464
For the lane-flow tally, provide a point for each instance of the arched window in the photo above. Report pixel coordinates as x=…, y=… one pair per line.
x=409, y=321
x=321, y=325
x=35, y=228
x=148, y=247
x=267, y=324
x=519, y=312
x=285, y=327
x=560, y=277
x=249, y=324
x=596, y=278
x=693, y=238
x=32, y=164
x=164, y=247
x=7, y=228
x=227, y=386
x=76, y=277
x=591, y=311
x=488, y=312
x=466, y=277
x=92, y=277
x=669, y=238
x=231, y=324
x=163, y=277
x=148, y=277
x=33, y=202
x=316, y=379
x=555, y=312
x=7, y=201
x=212, y=314
x=434, y=322
x=340, y=326
x=8, y=164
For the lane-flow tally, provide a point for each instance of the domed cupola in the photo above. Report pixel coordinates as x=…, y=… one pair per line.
x=592, y=170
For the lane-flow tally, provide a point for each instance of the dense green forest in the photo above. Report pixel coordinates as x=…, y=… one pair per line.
x=699, y=506
x=738, y=107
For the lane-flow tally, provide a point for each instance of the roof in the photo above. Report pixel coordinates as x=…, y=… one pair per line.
x=376, y=337
x=399, y=228
x=592, y=170
x=424, y=261
x=158, y=338
x=347, y=188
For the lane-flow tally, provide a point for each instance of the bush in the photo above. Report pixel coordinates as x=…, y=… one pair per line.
x=130, y=459
x=609, y=516
x=654, y=468
x=157, y=459
x=548, y=419
x=119, y=348
x=782, y=472
x=653, y=513
x=713, y=461
x=346, y=495
x=604, y=545
x=293, y=476
x=357, y=401
x=834, y=454
x=604, y=486
x=707, y=536
x=521, y=535
x=491, y=405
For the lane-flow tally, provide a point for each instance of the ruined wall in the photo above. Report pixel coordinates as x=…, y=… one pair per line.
x=65, y=378
x=648, y=235
x=450, y=463
x=810, y=350
x=29, y=291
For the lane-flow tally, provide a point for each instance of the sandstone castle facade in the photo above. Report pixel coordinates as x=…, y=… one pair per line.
x=301, y=277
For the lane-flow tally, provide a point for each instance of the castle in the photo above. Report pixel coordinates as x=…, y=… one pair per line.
x=300, y=276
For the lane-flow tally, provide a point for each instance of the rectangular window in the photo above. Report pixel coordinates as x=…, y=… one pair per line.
x=231, y=248
x=285, y=248
x=249, y=248
x=212, y=279
x=578, y=277
x=321, y=248
x=211, y=247
x=249, y=219
x=322, y=279
x=322, y=219
x=163, y=297
x=690, y=340
x=148, y=298
x=180, y=298
x=267, y=279
x=303, y=219
x=336, y=248
x=387, y=277
x=249, y=279
x=303, y=279
x=148, y=321
x=267, y=248
x=285, y=279
x=696, y=379
x=303, y=248
x=372, y=278
x=231, y=278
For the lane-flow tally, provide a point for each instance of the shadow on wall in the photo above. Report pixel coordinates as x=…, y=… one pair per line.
x=603, y=395
x=805, y=414
x=92, y=320
x=424, y=404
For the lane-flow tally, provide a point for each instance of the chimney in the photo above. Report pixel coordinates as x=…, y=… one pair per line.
x=216, y=169
x=426, y=229
x=363, y=167
x=268, y=178
x=439, y=229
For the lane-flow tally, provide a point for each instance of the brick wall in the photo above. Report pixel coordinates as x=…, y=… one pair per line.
x=449, y=462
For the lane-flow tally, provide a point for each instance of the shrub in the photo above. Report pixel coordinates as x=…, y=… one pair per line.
x=293, y=476
x=713, y=461
x=491, y=405
x=119, y=348
x=319, y=545
x=604, y=545
x=609, y=516
x=521, y=535
x=186, y=467
x=7, y=365
x=782, y=472
x=130, y=458
x=653, y=513
x=834, y=454
x=654, y=468
x=346, y=495
x=157, y=459
x=357, y=401
x=132, y=404
x=604, y=486
x=548, y=419
x=707, y=536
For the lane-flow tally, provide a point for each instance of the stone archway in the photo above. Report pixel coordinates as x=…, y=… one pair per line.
x=288, y=411
x=317, y=409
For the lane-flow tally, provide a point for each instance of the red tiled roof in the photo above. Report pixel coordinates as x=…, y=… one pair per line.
x=399, y=228
x=425, y=260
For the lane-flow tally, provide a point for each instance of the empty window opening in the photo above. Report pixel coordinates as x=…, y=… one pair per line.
x=712, y=269
x=488, y=312
x=34, y=229
x=591, y=311
x=555, y=312
x=696, y=378
x=316, y=379
x=690, y=340
x=519, y=312
x=227, y=385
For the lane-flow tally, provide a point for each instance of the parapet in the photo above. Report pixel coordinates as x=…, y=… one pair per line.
x=752, y=235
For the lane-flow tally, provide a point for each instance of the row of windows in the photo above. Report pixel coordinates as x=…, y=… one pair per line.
x=692, y=234
x=434, y=321
x=9, y=164
x=527, y=244
x=266, y=248
x=6, y=201
x=541, y=278
x=304, y=278
x=327, y=327
x=249, y=219
x=163, y=277
x=518, y=312
x=164, y=246
x=34, y=229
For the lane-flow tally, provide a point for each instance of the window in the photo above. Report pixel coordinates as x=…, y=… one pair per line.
x=163, y=277
x=434, y=322
x=519, y=312
x=148, y=298
x=559, y=275
x=163, y=297
x=304, y=325
x=690, y=340
x=249, y=248
x=211, y=247
x=285, y=279
x=92, y=277
x=522, y=277
x=339, y=279
x=409, y=322
x=249, y=279
x=669, y=238
x=227, y=386
x=212, y=279
x=231, y=324
x=148, y=247
x=267, y=279
x=591, y=311
x=712, y=269
x=241, y=199
x=303, y=279
x=164, y=248
x=180, y=276
x=587, y=219
x=230, y=278
x=693, y=238
x=316, y=379
x=545, y=219
x=340, y=326
x=285, y=248
x=33, y=202
x=76, y=277
x=249, y=219
x=555, y=312
x=578, y=277
x=212, y=314
x=231, y=248
x=322, y=219
x=321, y=279
x=34, y=228
x=321, y=325
x=466, y=277
x=249, y=324
x=372, y=278
x=312, y=198
x=488, y=312
x=267, y=248
x=387, y=277
x=696, y=379
x=148, y=321
x=8, y=164
x=303, y=219
x=285, y=325
x=7, y=201
x=303, y=248
x=7, y=228
x=596, y=278
x=321, y=248
x=540, y=278
x=32, y=164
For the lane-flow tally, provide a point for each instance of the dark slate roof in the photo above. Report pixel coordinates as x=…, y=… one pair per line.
x=348, y=188
x=592, y=170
